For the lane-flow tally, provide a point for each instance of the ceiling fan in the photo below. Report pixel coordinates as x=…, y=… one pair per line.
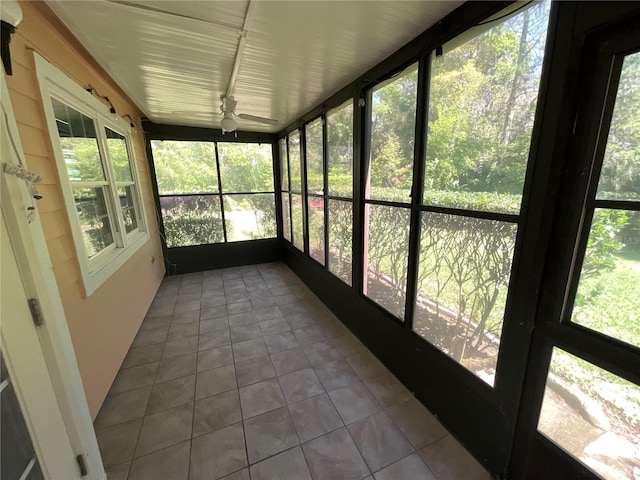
x=228, y=110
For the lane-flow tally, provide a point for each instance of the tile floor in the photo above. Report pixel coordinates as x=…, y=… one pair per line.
x=244, y=374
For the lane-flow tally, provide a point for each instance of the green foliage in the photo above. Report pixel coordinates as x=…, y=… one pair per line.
x=340, y=151
x=245, y=167
x=191, y=221
x=603, y=244
x=185, y=167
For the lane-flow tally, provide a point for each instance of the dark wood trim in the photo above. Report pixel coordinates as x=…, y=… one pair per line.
x=157, y=131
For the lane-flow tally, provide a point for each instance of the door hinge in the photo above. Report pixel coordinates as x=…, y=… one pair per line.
x=36, y=312
x=82, y=465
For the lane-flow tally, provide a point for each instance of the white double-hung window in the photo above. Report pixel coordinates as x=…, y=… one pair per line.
x=98, y=175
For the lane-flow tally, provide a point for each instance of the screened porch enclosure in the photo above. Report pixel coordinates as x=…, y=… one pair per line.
x=440, y=209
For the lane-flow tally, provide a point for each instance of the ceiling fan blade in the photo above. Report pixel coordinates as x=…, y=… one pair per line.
x=253, y=118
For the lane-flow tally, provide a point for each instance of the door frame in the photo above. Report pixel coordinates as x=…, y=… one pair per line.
x=32, y=255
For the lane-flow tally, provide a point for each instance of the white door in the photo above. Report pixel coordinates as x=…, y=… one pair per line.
x=29, y=374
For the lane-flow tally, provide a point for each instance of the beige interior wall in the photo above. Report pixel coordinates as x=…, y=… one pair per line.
x=103, y=325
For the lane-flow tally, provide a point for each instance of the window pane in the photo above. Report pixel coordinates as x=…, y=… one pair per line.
x=592, y=414
x=463, y=277
x=340, y=239
x=296, y=214
x=246, y=167
x=340, y=151
x=294, y=162
x=482, y=102
x=249, y=217
x=185, y=167
x=94, y=219
x=192, y=220
x=119, y=156
x=611, y=276
x=284, y=169
x=315, y=175
x=620, y=177
x=393, y=123
x=316, y=228
x=79, y=144
x=128, y=207
x=286, y=217
x=386, y=256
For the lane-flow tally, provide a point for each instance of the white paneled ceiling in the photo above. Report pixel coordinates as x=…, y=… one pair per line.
x=174, y=58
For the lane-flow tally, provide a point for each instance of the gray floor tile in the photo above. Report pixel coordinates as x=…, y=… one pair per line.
x=213, y=413
x=289, y=361
x=348, y=344
x=269, y=433
x=237, y=297
x=417, y=423
x=277, y=325
x=314, y=416
x=217, y=338
x=267, y=313
x=143, y=355
x=354, y=402
x=300, y=320
x=123, y=407
x=182, y=330
x=336, y=374
x=239, y=319
x=213, y=324
x=186, y=317
x=171, y=394
x=218, y=380
x=450, y=461
x=334, y=455
x=239, y=475
x=299, y=385
x=289, y=465
x=164, y=429
x=380, y=442
x=250, y=349
x=181, y=346
x=411, y=467
x=240, y=307
x=176, y=367
x=118, y=472
x=281, y=342
x=293, y=308
x=169, y=464
x=282, y=300
x=320, y=352
x=366, y=364
x=213, y=312
x=218, y=453
x=254, y=370
x=309, y=334
x=260, y=303
x=261, y=397
x=117, y=443
x=150, y=337
x=188, y=305
x=387, y=389
x=134, y=378
x=245, y=332
x=213, y=300
x=214, y=358
x=151, y=323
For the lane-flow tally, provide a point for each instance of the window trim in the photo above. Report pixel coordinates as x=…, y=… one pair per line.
x=53, y=83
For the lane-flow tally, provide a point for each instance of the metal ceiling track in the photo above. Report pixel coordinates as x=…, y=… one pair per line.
x=242, y=41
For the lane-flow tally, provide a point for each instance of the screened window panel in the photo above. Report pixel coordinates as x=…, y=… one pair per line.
x=249, y=217
x=192, y=220
x=340, y=224
x=295, y=162
x=286, y=216
x=482, y=101
x=284, y=164
x=297, y=221
x=463, y=277
x=315, y=163
x=393, y=125
x=245, y=167
x=386, y=256
x=340, y=151
x=185, y=167
x=315, y=207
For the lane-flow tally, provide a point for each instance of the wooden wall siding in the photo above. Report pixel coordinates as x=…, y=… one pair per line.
x=103, y=325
